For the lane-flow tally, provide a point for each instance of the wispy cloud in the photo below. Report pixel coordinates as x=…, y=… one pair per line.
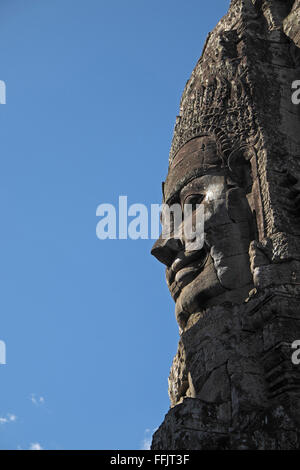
x=35, y=446
x=9, y=418
x=146, y=443
x=37, y=400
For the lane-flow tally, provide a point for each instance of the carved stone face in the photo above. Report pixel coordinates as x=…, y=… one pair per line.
x=219, y=271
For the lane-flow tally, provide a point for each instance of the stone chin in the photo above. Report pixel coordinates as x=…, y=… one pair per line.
x=222, y=279
x=207, y=290
x=194, y=296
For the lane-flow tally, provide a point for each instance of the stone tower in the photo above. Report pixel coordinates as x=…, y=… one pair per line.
x=236, y=151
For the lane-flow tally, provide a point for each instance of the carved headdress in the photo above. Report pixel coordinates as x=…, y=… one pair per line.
x=206, y=153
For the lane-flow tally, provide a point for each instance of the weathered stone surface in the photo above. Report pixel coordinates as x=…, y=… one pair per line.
x=236, y=152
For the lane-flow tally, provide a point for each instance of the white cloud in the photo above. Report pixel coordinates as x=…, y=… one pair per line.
x=36, y=400
x=35, y=446
x=146, y=444
x=10, y=418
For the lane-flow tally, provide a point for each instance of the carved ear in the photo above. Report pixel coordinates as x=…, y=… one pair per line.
x=240, y=167
x=239, y=211
x=235, y=204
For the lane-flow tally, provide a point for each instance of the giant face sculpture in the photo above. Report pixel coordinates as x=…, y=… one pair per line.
x=219, y=271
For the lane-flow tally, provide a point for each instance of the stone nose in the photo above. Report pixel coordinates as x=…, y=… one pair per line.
x=165, y=250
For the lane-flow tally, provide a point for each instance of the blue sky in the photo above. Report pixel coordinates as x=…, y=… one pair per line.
x=93, y=89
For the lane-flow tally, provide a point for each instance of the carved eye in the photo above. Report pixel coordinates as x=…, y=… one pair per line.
x=194, y=200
